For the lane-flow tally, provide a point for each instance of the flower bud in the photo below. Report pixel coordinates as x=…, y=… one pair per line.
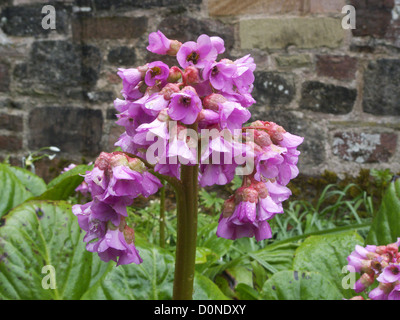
x=174, y=47
x=246, y=194
x=103, y=161
x=213, y=100
x=357, y=298
x=118, y=159
x=262, y=138
x=364, y=282
x=169, y=89
x=261, y=189
x=191, y=75
x=129, y=235
x=174, y=74
x=229, y=207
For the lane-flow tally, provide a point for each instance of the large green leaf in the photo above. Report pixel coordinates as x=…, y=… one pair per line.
x=385, y=227
x=31, y=181
x=299, y=285
x=40, y=234
x=276, y=258
x=327, y=255
x=206, y=238
x=205, y=289
x=64, y=185
x=12, y=190
x=150, y=280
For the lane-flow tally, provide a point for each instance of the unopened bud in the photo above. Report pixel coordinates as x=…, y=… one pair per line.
x=248, y=194
x=364, y=282
x=174, y=47
x=192, y=76
x=118, y=159
x=174, y=74
x=357, y=298
x=103, y=161
x=380, y=249
x=262, y=138
x=129, y=235
x=213, y=100
x=136, y=165
x=229, y=207
x=169, y=89
x=261, y=189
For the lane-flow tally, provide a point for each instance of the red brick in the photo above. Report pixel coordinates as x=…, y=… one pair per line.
x=10, y=143
x=10, y=122
x=338, y=67
x=4, y=78
x=373, y=17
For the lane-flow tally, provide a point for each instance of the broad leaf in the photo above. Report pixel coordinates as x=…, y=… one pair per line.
x=78, y=170
x=299, y=285
x=206, y=238
x=246, y=292
x=276, y=258
x=31, y=181
x=12, y=191
x=205, y=289
x=327, y=255
x=150, y=280
x=65, y=184
x=385, y=227
x=43, y=234
x=202, y=254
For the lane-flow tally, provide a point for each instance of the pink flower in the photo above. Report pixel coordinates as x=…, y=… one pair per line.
x=131, y=82
x=157, y=73
x=233, y=115
x=197, y=53
x=185, y=106
x=395, y=293
x=220, y=74
x=158, y=43
x=390, y=274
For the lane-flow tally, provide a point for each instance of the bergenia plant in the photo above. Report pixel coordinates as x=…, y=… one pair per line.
x=379, y=267
x=184, y=125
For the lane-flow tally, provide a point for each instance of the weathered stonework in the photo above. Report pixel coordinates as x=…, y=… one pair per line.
x=327, y=98
x=381, y=87
x=338, y=67
x=364, y=147
x=273, y=89
x=56, y=65
x=304, y=33
x=337, y=88
x=73, y=130
x=27, y=20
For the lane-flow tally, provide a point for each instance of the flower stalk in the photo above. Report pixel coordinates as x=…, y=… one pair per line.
x=187, y=209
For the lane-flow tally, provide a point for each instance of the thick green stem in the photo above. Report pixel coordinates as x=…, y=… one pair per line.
x=162, y=217
x=187, y=203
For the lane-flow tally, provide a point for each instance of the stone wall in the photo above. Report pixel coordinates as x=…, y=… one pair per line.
x=338, y=88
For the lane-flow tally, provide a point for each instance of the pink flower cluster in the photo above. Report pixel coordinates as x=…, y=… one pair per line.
x=115, y=181
x=162, y=107
x=161, y=103
x=259, y=199
x=380, y=263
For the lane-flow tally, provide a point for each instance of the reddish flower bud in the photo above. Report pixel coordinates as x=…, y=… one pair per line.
x=174, y=47
x=191, y=75
x=213, y=100
x=174, y=74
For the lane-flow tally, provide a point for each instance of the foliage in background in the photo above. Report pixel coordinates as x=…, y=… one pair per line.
x=303, y=260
